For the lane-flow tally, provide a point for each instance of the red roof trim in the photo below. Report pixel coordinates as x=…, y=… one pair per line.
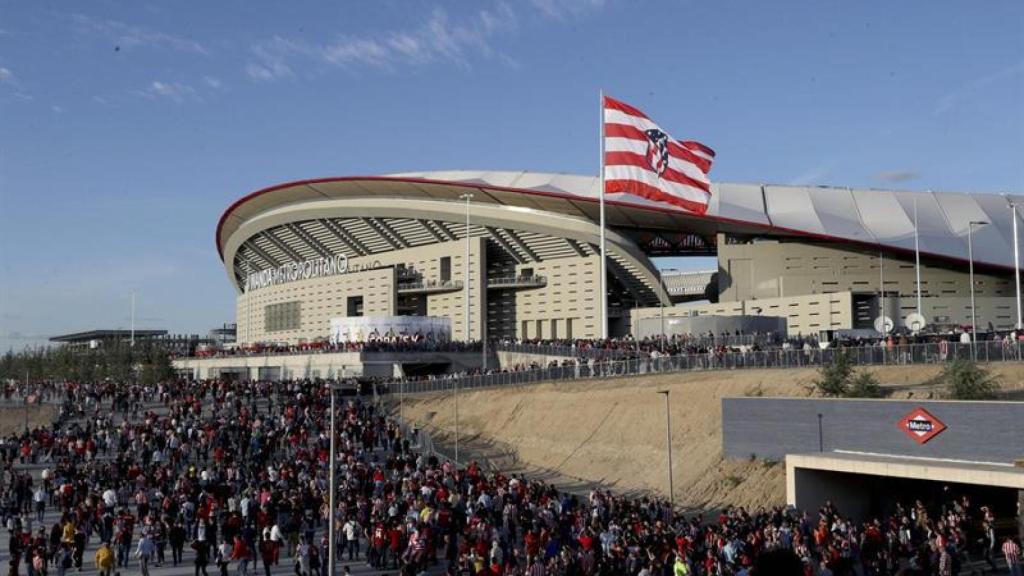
x=803, y=233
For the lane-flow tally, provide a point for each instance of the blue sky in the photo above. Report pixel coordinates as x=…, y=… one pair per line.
x=126, y=128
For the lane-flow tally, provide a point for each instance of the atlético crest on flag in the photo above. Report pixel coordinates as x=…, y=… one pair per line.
x=641, y=159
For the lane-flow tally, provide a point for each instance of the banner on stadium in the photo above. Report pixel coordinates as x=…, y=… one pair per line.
x=390, y=329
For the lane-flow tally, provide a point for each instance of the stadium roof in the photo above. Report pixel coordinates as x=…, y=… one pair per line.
x=106, y=335
x=879, y=219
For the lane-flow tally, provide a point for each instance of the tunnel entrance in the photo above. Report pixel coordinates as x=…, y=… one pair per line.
x=865, y=487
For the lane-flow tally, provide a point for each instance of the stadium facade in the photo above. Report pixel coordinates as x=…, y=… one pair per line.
x=305, y=253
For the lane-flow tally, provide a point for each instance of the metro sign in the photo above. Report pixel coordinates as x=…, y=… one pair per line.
x=921, y=425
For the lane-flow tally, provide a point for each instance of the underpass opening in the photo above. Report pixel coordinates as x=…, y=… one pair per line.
x=866, y=487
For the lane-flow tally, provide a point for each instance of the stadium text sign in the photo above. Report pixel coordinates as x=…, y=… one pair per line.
x=314, y=268
x=921, y=425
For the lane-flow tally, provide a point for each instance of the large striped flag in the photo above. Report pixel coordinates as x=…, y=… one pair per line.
x=641, y=159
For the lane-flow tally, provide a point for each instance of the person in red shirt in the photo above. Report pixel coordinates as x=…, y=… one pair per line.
x=394, y=545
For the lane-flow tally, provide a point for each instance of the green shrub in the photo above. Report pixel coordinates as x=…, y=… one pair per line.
x=965, y=380
x=834, y=377
x=865, y=385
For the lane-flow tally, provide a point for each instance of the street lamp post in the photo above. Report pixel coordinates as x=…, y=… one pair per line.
x=248, y=308
x=132, y=345
x=821, y=435
x=469, y=330
x=970, y=262
x=1016, y=261
x=668, y=436
x=330, y=498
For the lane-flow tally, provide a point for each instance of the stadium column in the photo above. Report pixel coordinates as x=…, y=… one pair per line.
x=478, y=279
x=1020, y=515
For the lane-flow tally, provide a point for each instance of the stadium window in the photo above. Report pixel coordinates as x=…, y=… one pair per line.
x=354, y=306
x=283, y=316
x=446, y=268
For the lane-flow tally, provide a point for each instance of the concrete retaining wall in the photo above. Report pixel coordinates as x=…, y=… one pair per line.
x=770, y=428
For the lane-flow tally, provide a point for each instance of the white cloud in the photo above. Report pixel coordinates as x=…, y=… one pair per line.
x=174, y=91
x=129, y=35
x=562, y=8
x=9, y=79
x=271, y=58
x=976, y=86
x=439, y=39
x=57, y=109
x=814, y=175
x=213, y=83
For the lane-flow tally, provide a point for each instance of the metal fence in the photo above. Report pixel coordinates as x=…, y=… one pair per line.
x=577, y=351
x=930, y=353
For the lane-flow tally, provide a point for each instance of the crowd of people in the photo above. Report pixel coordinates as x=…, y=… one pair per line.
x=233, y=476
x=404, y=343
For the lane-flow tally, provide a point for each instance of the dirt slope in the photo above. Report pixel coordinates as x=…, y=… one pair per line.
x=611, y=433
x=12, y=419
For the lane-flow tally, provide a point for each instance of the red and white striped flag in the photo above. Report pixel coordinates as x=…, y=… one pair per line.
x=641, y=159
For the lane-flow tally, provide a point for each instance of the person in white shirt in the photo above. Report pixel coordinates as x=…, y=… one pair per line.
x=39, y=498
x=351, y=531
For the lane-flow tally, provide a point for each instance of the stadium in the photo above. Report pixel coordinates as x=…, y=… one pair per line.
x=803, y=260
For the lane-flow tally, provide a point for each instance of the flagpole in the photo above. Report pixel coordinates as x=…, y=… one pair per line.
x=604, y=261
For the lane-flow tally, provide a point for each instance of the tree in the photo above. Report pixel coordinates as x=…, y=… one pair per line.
x=965, y=380
x=865, y=385
x=834, y=377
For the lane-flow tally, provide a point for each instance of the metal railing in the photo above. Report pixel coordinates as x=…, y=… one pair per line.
x=627, y=348
x=514, y=281
x=919, y=354
x=430, y=286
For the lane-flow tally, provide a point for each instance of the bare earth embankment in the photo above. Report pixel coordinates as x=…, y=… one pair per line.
x=611, y=433
x=12, y=419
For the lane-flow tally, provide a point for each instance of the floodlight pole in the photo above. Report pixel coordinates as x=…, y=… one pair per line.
x=664, y=336
x=917, y=261
x=469, y=331
x=881, y=291
x=24, y=400
x=330, y=498
x=1016, y=261
x=132, y=344
x=668, y=437
x=970, y=258
x=248, y=306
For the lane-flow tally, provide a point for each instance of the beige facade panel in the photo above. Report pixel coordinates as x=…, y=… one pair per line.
x=774, y=269
x=375, y=289
x=809, y=314
x=567, y=307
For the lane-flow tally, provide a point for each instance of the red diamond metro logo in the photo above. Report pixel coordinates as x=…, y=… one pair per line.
x=921, y=425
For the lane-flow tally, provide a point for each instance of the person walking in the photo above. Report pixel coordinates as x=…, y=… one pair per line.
x=1011, y=551
x=144, y=551
x=104, y=559
x=240, y=551
x=202, y=548
x=39, y=498
x=268, y=550
x=351, y=531
x=224, y=557
x=176, y=538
